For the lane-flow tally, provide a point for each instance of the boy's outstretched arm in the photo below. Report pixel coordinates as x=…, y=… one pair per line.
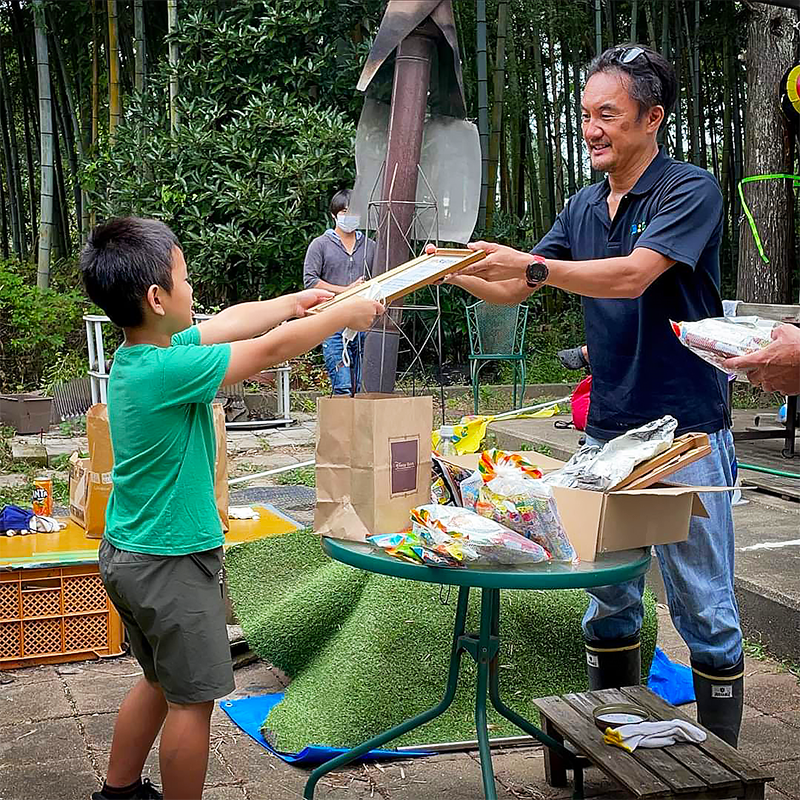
x=297, y=337
x=246, y=320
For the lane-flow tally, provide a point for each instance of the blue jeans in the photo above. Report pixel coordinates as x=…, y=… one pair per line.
x=340, y=375
x=698, y=573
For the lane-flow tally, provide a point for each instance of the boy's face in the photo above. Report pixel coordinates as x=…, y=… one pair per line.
x=178, y=303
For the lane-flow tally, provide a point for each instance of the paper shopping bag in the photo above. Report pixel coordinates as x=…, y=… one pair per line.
x=90, y=478
x=373, y=463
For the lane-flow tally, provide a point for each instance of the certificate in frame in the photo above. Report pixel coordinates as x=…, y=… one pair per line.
x=404, y=279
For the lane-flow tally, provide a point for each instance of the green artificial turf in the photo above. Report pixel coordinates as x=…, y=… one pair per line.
x=366, y=652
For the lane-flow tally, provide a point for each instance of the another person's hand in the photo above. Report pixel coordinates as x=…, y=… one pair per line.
x=356, y=282
x=775, y=368
x=501, y=263
x=309, y=298
x=360, y=312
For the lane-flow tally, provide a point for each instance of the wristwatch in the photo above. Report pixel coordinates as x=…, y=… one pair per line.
x=536, y=272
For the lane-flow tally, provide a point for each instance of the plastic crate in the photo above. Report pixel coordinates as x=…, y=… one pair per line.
x=50, y=616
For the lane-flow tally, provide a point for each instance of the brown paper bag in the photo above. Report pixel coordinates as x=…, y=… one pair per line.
x=90, y=478
x=373, y=463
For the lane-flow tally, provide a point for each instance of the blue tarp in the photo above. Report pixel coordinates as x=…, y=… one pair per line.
x=669, y=680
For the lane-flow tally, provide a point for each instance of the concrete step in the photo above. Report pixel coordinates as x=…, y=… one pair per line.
x=767, y=578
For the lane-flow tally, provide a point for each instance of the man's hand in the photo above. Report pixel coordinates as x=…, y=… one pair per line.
x=776, y=368
x=307, y=299
x=501, y=263
x=359, y=312
x=356, y=282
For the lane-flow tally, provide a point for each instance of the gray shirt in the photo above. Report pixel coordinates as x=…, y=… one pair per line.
x=327, y=260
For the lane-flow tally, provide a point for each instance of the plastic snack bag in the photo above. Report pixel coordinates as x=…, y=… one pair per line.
x=470, y=490
x=513, y=495
x=598, y=469
x=716, y=338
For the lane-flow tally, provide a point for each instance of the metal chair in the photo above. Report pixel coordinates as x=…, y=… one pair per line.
x=496, y=333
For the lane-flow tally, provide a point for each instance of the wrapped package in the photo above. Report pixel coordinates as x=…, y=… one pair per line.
x=717, y=338
x=471, y=489
x=599, y=469
x=513, y=494
x=453, y=537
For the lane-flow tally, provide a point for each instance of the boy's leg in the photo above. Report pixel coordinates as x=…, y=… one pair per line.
x=332, y=350
x=140, y=718
x=183, y=752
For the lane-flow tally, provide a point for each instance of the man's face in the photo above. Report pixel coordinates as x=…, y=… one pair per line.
x=611, y=126
x=178, y=302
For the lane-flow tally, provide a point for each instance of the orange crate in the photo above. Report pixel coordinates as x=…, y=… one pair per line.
x=54, y=615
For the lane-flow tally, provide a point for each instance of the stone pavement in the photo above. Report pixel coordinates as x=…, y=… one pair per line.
x=56, y=725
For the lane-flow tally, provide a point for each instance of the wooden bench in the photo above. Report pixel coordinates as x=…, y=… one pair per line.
x=712, y=769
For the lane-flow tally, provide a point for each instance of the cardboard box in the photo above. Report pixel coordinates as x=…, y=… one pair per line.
x=606, y=522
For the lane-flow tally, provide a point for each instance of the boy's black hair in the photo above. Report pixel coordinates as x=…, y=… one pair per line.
x=651, y=78
x=121, y=260
x=340, y=201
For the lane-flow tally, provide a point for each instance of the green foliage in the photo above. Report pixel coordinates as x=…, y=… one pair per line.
x=266, y=136
x=302, y=476
x=35, y=328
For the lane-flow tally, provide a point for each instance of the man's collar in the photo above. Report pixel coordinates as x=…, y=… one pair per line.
x=336, y=238
x=655, y=169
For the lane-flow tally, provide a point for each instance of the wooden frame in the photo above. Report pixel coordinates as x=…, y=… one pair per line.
x=404, y=279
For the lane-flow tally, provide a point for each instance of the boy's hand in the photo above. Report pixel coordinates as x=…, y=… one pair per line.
x=360, y=313
x=309, y=298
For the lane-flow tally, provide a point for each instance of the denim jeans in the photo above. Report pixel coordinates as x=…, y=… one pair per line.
x=698, y=573
x=340, y=375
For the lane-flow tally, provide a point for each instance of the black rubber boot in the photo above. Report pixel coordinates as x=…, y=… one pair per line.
x=720, y=699
x=611, y=663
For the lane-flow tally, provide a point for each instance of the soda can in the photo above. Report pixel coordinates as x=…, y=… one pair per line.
x=43, y=497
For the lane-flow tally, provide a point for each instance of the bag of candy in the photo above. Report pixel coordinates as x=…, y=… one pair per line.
x=455, y=537
x=513, y=495
x=717, y=338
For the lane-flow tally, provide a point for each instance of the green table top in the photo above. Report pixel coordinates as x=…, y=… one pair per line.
x=609, y=569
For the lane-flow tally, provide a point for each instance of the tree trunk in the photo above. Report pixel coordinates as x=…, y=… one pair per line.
x=598, y=27
x=17, y=231
x=140, y=45
x=651, y=25
x=540, y=90
x=634, y=19
x=59, y=105
x=95, y=78
x=576, y=90
x=497, y=110
x=16, y=176
x=771, y=45
x=678, y=101
x=46, y=117
x=3, y=220
x=114, y=105
x=60, y=205
x=726, y=171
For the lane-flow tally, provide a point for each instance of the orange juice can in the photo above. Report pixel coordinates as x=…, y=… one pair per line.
x=43, y=497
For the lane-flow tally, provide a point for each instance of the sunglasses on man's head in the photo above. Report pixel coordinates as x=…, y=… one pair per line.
x=627, y=55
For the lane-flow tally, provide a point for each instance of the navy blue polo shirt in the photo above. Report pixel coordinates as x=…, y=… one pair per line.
x=640, y=369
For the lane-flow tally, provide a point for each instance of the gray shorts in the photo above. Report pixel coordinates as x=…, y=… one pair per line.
x=174, y=615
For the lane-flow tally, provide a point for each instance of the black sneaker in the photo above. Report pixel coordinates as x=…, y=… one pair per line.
x=145, y=792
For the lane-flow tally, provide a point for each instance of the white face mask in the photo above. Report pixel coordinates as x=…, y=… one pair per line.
x=347, y=223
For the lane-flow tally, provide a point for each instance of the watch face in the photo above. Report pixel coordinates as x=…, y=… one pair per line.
x=536, y=272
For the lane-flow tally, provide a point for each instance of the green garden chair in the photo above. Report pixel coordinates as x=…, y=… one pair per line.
x=496, y=333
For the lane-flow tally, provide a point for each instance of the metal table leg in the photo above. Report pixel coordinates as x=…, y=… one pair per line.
x=791, y=426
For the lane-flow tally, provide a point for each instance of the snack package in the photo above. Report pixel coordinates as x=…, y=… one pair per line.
x=513, y=495
x=598, y=469
x=455, y=537
x=716, y=338
x=471, y=489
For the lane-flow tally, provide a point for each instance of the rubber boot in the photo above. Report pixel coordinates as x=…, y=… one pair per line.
x=720, y=699
x=612, y=663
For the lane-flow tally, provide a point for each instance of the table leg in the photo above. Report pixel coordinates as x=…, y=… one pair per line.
x=426, y=716
x=791, y=427
x=485, y=654
x=557, y=748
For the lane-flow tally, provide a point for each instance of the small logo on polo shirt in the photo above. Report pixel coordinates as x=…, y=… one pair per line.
x=638, y=227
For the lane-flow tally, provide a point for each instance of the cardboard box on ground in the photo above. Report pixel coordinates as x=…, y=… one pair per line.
x=90, y=478
x=605, y=522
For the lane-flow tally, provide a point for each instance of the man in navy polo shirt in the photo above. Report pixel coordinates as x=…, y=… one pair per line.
x=642, y=248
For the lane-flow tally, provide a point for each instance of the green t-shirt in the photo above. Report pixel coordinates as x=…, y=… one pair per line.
x=162, y=435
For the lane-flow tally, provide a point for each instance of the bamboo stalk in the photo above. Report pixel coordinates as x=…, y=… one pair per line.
x=172, y=24
x=140, y=45
x=114, y=107
x=497, y=109
x=46, y=117
x=95, y=78
x=483, y=108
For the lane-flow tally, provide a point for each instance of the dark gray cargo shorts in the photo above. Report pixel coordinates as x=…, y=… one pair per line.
x=174, y=614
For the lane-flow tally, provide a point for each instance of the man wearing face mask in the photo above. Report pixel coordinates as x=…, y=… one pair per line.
x=335, y=261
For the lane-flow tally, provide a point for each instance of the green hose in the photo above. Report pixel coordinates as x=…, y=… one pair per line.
x=769, y=471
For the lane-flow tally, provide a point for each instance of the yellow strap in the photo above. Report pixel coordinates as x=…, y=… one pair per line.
x=614, y=649
x=718, y=677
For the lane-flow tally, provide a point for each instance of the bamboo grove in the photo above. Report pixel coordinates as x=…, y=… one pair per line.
x=233, y=120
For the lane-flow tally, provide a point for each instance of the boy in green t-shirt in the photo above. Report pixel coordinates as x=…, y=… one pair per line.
x=161, y=556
